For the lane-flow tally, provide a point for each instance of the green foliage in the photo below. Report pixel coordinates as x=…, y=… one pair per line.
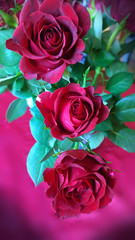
x=125, y=109
x=16, y=109
x=8, y=58
x=98, y=22
x=103, y=58
x=66, y=75
x=104, y=126
x=116, y=67
x=120, y=82
x=96, y=139
x=65, y=144
x=34, y=165
x=124, y=138
x=77, y=70
x=8, y=19
x=40, y=133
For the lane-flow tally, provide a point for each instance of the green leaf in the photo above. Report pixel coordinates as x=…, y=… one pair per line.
x=116, y=48
x=124, y=138
x=98, y=22
x=40, y=133
x=107, y=21
x=7, y=57
x=18, y=83
x=3, y=89
x=96, y=139
x=16, y=109
x=66, y=75
x=3, y=73
x=36, y=113
x=125, y=109
x=7, y=80
x=103, y=58
x=120, y=82
x=12, y=70
x=34, y=165
x=116, y=67
x=18, y=89
x=61, y=83
x=77, y=70
x=104, y=126
x=64, y=144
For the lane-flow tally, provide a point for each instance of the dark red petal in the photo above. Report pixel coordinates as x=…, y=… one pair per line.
x=75, y=154
x=54, y=75
x=51, y=7
x=45, y=104
x=68, y=11
x=90, y=207
x=84, y=18
x=28, y=68
x=64, y=116
x=51, y=178
x=58, y=134
x=67, y=23
x=107, y=197
x=19, y=40
x=103, y=113
x=75, y=55
x=29, y=7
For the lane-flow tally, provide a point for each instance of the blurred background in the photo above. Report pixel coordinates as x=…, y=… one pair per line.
x=26, y=212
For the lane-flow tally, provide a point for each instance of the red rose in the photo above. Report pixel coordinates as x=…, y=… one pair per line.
x=49, y=37
x=72, y=110
x=80, y=182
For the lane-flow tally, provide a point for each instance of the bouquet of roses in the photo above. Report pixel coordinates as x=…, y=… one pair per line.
x=64, y=61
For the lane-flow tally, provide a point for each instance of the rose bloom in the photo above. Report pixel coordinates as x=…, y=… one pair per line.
x=72, y=110
x=120, y=9
x=5, y=5
x=80, y=182
x=49, y=37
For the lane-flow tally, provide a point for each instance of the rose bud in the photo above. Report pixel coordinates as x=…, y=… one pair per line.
x=121, y=9
x=71, y=111
x=98, y=5
x=80, y=182
x=49, y=37
x=5, y=5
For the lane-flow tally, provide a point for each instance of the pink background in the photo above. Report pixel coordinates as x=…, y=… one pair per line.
x=26, y=212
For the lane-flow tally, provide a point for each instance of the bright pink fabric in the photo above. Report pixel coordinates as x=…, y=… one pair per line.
x=26, y=212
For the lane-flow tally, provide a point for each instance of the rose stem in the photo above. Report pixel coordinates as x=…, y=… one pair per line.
x=76, y=145
x=97, y=72
x=118, y=28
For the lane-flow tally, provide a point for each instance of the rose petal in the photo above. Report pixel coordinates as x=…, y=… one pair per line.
x=54, y=9
x=29, y=7
x=84, y=18
x=51, y=178
x=107, y=197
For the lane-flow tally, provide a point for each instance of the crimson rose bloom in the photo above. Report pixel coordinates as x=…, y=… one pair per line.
x=80, y=182
x=49, y=37
x=72, y=110
x=120, y=9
